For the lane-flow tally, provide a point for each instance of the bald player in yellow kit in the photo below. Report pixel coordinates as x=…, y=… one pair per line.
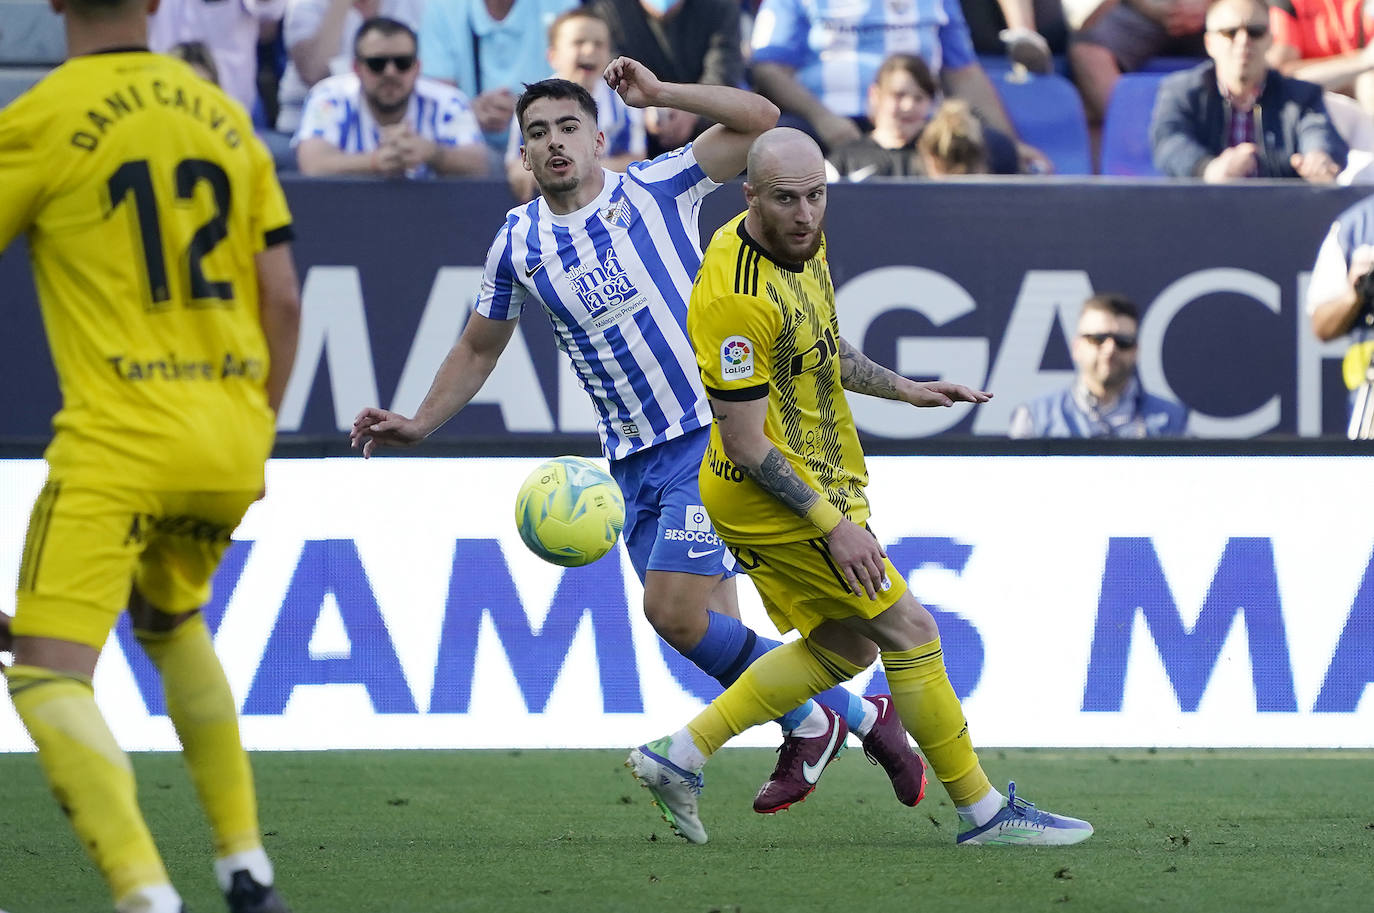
x=783, y=479
x=159, y=238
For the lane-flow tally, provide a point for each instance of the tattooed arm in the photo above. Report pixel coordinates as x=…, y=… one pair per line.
x=861, y=374
x=854, y=550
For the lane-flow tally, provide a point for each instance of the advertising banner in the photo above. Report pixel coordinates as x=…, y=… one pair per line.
x=1082, y=601
x=979, y=282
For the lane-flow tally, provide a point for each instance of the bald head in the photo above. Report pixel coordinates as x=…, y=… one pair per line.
x=781, y=152
x=785, y=189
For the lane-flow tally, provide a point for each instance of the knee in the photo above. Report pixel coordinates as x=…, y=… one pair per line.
x=680, y=625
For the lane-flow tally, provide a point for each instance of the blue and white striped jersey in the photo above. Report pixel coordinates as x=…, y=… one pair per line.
x=614, y=278
x=622, y=125
x=335, y=111
x=836, y=46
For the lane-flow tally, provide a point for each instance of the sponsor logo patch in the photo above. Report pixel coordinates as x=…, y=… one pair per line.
x=736, y=358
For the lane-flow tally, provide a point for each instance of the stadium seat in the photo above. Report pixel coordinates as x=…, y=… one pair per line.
x=30, y=34
x=1126, y=127
x=997, y=64
x=1170, y=64
x=1048, y=113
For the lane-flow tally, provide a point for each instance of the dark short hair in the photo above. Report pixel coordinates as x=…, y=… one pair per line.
x=557, y=89
x=197, y=54
x=577, y=12
x=912, y=65
x=99, y=9
x=1113, y=303
x=386, y=27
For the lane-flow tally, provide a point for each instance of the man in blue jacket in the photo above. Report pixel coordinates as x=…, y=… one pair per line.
x=1234, y=117
x=1106, y=399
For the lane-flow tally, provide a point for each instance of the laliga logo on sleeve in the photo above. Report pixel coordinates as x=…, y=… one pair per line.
x=736, y=358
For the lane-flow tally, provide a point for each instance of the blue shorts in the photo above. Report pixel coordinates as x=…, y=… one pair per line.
x=666, y=528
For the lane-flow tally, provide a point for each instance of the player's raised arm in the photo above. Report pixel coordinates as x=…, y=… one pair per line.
x=465, y=368
x=740, y=116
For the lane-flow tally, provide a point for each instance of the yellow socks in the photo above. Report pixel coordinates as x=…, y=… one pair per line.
x=202, y=709
x=772, y=685
x=930, y=711
x=89, y=775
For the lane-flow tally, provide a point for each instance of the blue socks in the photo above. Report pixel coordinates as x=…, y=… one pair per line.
x=728, y=647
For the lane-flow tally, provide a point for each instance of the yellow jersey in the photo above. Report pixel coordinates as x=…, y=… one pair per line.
x=764, y=328
x=145, y=196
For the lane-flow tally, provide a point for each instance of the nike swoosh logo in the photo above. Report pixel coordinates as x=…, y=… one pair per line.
x=529, y=272
x=813, y=773
x=882, y=703
x=858, y=174
x=693, y=553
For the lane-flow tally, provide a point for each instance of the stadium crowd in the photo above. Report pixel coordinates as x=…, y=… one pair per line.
x=308, y=72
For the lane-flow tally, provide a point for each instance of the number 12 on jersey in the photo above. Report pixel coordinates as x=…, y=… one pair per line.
x=134, y=180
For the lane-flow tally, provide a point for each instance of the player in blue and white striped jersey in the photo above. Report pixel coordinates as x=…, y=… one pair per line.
x=611, y=258
x=386, y=119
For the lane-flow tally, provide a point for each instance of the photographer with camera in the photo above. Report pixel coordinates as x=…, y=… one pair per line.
x=1340, y=301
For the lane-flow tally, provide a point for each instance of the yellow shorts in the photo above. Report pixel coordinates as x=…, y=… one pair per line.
x=85, y=547
x=801, y=585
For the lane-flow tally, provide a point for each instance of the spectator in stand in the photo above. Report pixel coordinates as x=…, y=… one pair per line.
x=489, y=49
x=900, y=103
x=688, y=41
x=319, y=37
x=953, y=144
x=1326, y=43
x=580, y=51
x=230, y=30
x=1105, y=399
x=385, y=119
x=816, y=60
x=1234, y=117
x=1029, y=32
x=198, y=57
x=1120, y=36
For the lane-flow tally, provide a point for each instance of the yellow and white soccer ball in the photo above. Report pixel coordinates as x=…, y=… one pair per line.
x=570, y=511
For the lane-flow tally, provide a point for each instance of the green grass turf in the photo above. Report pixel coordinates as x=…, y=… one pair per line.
x=570, y=831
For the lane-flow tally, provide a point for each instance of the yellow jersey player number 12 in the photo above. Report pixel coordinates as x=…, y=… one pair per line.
x=159, y=240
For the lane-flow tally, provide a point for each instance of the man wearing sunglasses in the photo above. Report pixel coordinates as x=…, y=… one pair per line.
x=1105, y=399
x=1234, y=117
x=385, y=119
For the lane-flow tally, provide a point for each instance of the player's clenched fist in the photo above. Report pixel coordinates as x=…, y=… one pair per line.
x=633, y=81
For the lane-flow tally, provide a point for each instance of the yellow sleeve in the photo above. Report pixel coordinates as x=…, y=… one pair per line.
x=21, y=188
x=733, y=337
x=271, y=217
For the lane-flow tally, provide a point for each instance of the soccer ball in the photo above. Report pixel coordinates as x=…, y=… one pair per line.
x=570, y=511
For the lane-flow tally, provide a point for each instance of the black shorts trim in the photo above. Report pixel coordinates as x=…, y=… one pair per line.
x=824, y=551
x=38, y=535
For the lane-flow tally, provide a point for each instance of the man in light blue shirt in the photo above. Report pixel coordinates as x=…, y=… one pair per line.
x=489, y=49
x=1106, y=399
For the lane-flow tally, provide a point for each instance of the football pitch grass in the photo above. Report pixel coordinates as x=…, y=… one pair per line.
x=497, y=831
